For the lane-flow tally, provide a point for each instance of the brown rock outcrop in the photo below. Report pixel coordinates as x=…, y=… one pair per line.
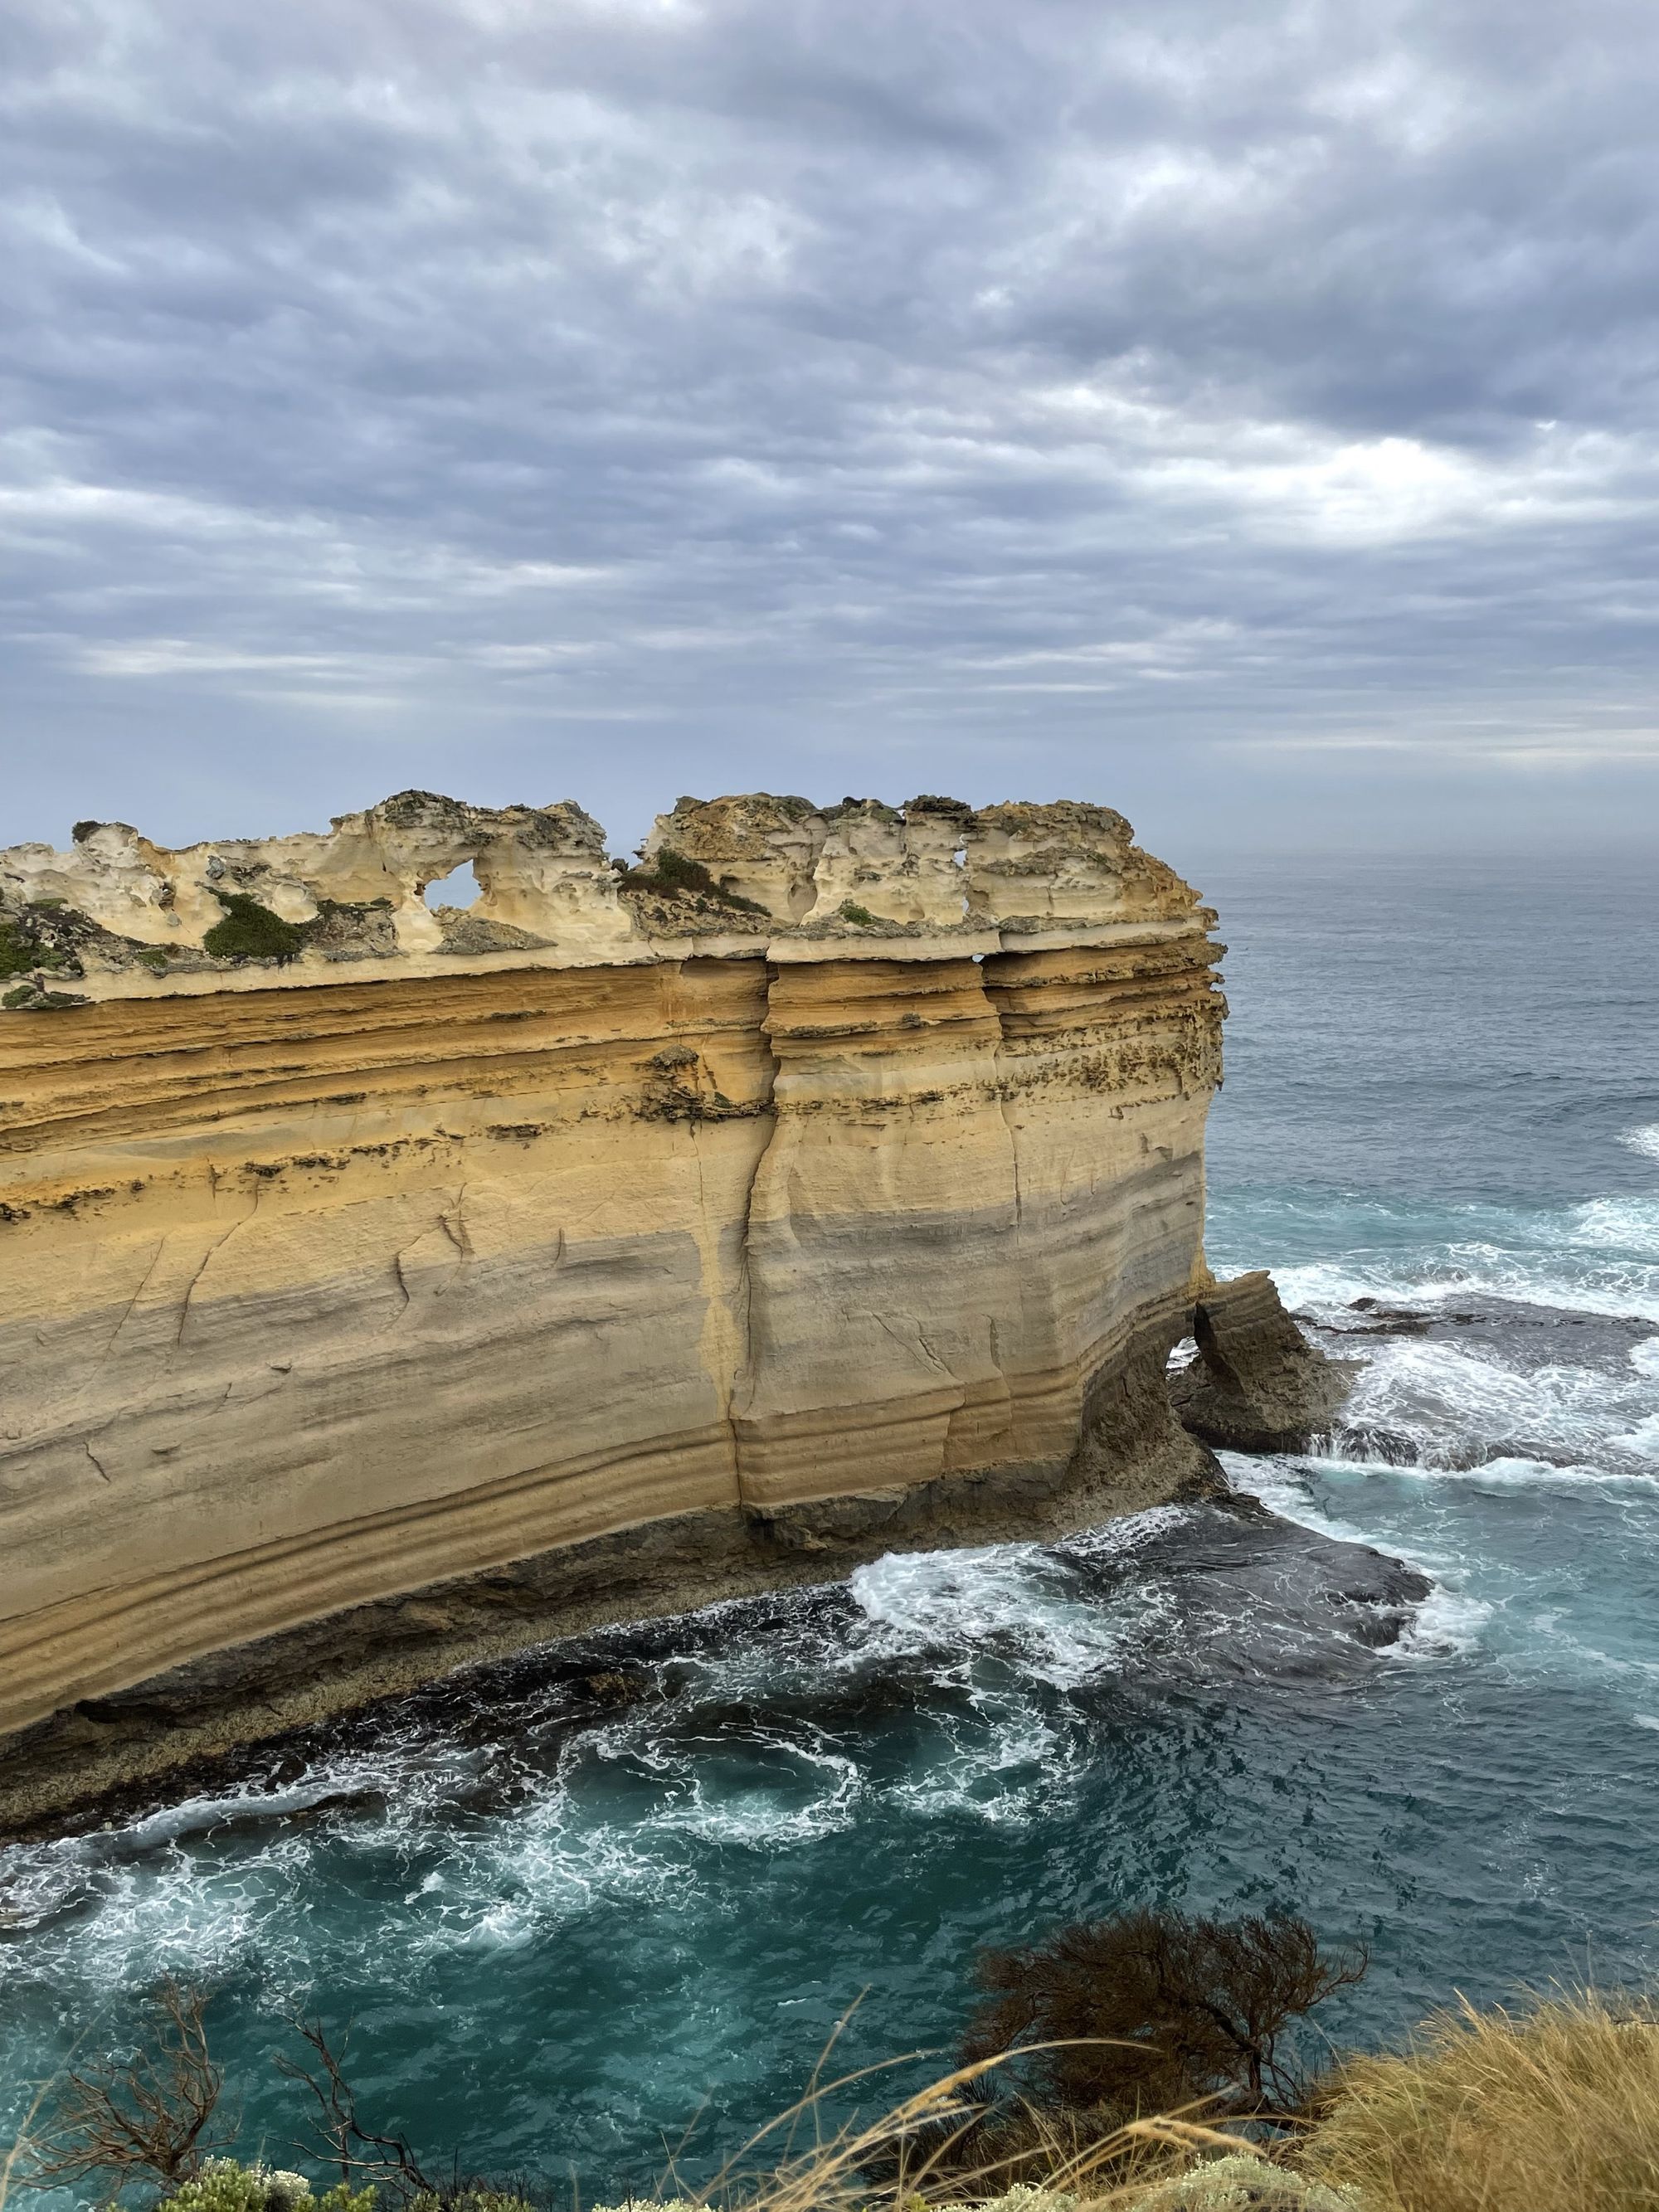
x=378, y=1293
x=1257, y=1384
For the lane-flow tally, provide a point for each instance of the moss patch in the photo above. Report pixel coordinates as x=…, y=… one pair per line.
x=251, y=931
x=30, y=998
x=22, y=945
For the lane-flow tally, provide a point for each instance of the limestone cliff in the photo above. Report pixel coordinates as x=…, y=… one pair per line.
x=384, y=1287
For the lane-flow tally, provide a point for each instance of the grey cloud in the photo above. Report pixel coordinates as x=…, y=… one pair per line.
x=1244, y=416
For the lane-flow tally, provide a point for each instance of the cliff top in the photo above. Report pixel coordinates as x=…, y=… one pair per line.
x=751, y=875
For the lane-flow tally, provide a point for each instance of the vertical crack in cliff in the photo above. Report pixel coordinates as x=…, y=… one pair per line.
x=212, y=1252
x=918, y=1343
x=743, y=1316
x=1004, y=1103
x=456, y=1230
x=454, y=1227
x=126, y=1310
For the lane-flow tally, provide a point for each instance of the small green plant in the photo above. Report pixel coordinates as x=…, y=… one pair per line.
x=852, y=911
x=251, y=931
x=671, y=875
x=30, y=998
x=20, y=952
x=155, y=957
x=470, y=2197
x=223, y=2185
x=674, y=868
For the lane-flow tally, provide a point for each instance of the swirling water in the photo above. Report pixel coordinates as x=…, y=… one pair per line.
x=571, y=1903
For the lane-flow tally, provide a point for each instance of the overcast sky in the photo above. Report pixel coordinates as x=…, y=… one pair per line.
x=1241, y=415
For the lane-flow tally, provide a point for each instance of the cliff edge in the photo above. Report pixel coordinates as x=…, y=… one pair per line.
x=386, y=1287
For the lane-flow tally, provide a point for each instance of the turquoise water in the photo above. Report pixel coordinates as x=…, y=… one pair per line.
x=563, y=1929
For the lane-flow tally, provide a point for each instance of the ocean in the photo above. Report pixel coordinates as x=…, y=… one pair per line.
x=603, y=1907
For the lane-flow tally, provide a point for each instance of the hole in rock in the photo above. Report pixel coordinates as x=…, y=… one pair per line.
x=459, y=888
x=1182, y=1355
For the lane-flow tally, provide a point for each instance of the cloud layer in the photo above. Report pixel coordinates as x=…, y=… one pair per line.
x=1245, y=416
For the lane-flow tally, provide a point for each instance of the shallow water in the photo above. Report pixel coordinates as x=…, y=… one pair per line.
x=566, y=1912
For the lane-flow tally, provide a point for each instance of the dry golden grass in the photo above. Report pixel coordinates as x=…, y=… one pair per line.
x=1105, y=2172
x=1555, y=2109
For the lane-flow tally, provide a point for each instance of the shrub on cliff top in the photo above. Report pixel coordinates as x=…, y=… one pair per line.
x=671, y=875
x=251, y=931
x=1154, y=2011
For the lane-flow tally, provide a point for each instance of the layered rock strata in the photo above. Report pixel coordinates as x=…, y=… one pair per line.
x=384, y=1288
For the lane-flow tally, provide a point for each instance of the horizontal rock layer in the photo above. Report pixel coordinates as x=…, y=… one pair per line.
x=323, y=1313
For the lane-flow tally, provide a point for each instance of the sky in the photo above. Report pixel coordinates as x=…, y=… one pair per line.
x=1242, y=415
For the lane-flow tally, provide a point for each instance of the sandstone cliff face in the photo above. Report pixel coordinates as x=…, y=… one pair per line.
x=412, y=1285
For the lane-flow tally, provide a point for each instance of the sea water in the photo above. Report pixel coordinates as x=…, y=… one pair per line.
x=603, y=1907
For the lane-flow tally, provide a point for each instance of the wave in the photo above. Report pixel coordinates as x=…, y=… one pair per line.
x=1644, y=1139
x=1598, y=1255
x=1013, y=1598
x=1459, y=1409
x=1643, y=1438
x=1617, y=1225
x=1326, y=1290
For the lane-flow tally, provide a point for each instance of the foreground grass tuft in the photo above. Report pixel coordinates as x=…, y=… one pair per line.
x=1556, y=2110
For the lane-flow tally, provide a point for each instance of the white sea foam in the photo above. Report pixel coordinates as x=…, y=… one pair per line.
x=1597, y=1258
x=1002, y=1765
x=551, y=1865
x=1645, y=1140
x=1448, y=1623
x=1013, y=1597
x=1618, y=1224
x=1445, y=1398
x=110, y=1923
x=1535, y=1474
x=1643, y=1438
x=1285, y=1486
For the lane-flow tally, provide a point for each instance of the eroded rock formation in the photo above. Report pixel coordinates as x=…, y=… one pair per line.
x=383, y=1288
x=1257, y=1384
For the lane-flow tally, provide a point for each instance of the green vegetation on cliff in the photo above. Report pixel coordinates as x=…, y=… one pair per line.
x=251, y=931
